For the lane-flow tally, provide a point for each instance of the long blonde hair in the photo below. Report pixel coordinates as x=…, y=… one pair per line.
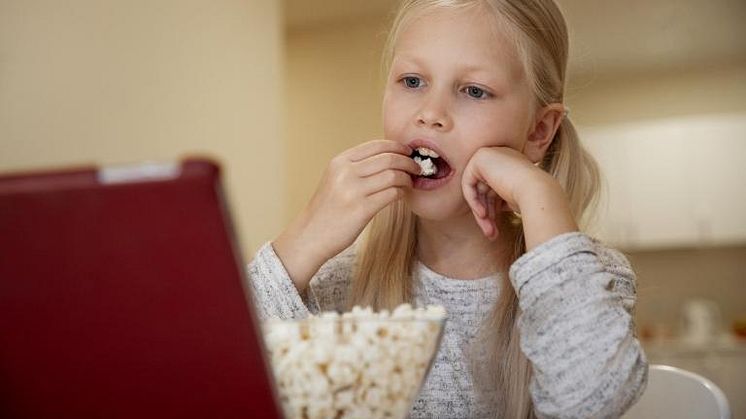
x=383, y=275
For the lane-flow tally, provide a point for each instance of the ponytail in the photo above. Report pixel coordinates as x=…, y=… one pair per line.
x=575, y=169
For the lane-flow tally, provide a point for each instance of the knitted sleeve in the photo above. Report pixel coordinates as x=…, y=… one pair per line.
x=275, y=295
x=576, y=299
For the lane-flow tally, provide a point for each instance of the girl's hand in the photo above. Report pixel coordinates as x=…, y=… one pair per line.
x=357, y=184
x=502, y=179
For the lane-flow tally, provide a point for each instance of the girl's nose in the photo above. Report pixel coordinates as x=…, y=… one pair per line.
x=434, y=114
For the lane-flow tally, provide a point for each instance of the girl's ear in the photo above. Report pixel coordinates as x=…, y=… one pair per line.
x=548, y=120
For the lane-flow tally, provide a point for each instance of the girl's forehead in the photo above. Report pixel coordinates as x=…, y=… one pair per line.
x=471, y=38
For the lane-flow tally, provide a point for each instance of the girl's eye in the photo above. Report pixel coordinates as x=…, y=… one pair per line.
x=476, y=92
x=412, y=82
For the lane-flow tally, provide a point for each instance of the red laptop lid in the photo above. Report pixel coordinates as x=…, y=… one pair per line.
x=122, y=295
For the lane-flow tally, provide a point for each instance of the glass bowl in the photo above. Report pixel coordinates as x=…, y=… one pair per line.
x=359, y=364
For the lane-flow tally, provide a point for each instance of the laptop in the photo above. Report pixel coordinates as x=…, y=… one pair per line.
x=122, y=295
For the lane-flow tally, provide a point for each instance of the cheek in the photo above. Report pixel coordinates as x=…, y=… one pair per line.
x=390, y=126
x=395, y=116
x=500, y=130
x=491, y=133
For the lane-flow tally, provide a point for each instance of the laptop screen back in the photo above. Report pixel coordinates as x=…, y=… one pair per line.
x=122, y=295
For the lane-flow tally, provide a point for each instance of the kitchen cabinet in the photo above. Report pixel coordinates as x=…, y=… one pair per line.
x=673, y=182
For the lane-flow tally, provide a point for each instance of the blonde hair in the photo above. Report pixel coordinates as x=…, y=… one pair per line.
x=383, y=275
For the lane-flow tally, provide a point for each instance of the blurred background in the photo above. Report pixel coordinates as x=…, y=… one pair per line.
x=275, y=89
x=112, y=82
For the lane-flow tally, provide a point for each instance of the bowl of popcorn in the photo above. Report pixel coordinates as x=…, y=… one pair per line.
x=360, y=364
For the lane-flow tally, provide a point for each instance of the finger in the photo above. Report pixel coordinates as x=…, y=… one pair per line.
x=384, y=180
x=381, y=162
x=491, y=232
x=472, y=199
x=470, y=191
x=492, y=215
x=483, y=202
x=491, y=210
x=371, y=148
x=380, y=199
x=482, y=193
x=485, y=225
x=486, y=218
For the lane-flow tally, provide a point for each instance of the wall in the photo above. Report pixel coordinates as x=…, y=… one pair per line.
x=599, y=99
x=88, y=81
x=334, y=90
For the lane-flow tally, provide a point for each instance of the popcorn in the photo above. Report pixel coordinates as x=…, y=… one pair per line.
x=425, y=158
x=427, y=167
x=360, y=364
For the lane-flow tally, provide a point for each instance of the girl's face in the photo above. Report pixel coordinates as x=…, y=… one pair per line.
x=455, y=85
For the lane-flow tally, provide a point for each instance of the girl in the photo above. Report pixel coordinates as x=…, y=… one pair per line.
x=539, y=314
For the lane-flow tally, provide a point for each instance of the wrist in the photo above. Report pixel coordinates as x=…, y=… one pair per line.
x=299, y=254
x=545, y=211
x=537, y=190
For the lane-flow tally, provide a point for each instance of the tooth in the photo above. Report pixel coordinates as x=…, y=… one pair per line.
x=427, y=152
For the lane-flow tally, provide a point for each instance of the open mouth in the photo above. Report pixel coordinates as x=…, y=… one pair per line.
x=431, y=164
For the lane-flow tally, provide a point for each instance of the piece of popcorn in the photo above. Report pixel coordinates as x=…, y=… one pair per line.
x=427, y=167
x=341, y=375
x=344, y=399
x=374, y=397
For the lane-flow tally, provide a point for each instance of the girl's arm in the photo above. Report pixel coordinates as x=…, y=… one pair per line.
x=275, y=294
x=357, y=184
x=576, y=327
x=502, y=179
x=575, y=295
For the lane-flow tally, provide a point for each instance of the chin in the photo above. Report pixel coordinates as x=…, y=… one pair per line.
x=435, y=207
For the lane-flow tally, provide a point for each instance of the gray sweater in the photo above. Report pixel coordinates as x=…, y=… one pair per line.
x=576, y=326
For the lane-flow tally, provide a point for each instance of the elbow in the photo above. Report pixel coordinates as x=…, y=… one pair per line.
x=625, y=393
x=617, y=387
